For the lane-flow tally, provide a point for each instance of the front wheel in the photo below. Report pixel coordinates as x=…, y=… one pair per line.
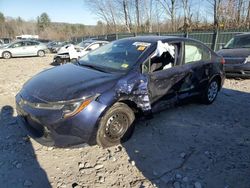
x=211, y=92
x=6, y=55
x=41, y=53
x=116, y=126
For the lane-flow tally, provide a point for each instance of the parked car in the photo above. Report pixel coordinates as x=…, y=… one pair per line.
x=23, y=48
x=237, y=56
x=1, y=43
x=5, y=41
x=56, y=47
x=95, y=100
x=70, y=52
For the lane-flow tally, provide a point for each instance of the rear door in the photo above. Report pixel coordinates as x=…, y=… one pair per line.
x=197, y=58
x=31, y=48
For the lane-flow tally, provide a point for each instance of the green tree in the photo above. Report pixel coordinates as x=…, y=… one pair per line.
x=43, y=21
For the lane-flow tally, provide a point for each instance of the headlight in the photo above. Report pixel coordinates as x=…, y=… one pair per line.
x=247, y=60
x=69, y=108
x=73, y=108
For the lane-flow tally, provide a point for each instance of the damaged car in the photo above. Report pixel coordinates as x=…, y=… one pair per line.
x=71, y=53
x=97, y=99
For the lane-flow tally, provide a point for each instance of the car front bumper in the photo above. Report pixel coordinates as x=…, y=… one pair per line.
x=60, y=59
x=49, y=129
x=238, y=70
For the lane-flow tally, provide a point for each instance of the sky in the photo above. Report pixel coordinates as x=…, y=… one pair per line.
x=70, y=11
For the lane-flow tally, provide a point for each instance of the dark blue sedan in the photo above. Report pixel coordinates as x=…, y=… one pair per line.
x=96, y=100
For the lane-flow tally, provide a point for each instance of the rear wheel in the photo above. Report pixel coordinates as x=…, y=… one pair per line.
x=41, y=53
x=116, y=126
x=211, y=92
x=6, y=55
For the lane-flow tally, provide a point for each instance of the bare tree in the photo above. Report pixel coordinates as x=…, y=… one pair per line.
x=187, y=15
x=137, y=12
x=170, y=7
x=106, y=11
x=126, y=15
x=239, y=11
x=216, y=4
x=248, y=15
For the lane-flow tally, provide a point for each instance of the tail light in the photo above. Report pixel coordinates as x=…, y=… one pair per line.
x=222, y=61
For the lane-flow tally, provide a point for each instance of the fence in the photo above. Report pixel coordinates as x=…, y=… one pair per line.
x=213, y=39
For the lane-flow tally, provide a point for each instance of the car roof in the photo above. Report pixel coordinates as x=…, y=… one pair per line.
x=153, y=39
x=242, y=35
x=93, y=40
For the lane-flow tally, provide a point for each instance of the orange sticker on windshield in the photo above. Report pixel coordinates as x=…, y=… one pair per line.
x=141, y=48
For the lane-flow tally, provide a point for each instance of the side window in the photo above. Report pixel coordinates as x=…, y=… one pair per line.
x=165, y=60
x=18, y=44
x=146, y=66
x=30, y=43
x=93, y=46
x=243, y=42
x=195, y=52
x=101, y=44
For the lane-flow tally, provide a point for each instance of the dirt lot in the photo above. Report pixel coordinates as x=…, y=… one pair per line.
x=192, y=145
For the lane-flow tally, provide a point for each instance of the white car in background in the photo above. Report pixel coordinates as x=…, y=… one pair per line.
x=72, y=52
x=23, y=48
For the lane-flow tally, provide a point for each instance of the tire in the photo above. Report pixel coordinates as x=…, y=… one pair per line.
x=211, y=92
x=58, y=61
x=40, y=53
x=6, y=55
x=74, y=60
x=116, y=126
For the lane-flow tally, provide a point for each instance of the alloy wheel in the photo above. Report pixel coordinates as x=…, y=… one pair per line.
x=212, y=91
x=6, y=55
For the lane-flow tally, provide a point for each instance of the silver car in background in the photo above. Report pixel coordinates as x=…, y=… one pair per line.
x=23, y=48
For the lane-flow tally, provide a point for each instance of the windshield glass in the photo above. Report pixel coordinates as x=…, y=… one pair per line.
x=239, y=42
x=117, y=56
x=84, y=44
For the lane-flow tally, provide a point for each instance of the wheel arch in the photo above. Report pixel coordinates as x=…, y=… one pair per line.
x=41, y=50
x=131, y=104
x=218, y=78
x=7, y=51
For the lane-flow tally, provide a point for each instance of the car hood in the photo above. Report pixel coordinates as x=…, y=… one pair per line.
x=240, y=52
x=67, y=82
x=4, y=46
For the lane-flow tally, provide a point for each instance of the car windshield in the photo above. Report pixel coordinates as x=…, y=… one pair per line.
x=238, y=42
x=84, y=44
x=118, y=56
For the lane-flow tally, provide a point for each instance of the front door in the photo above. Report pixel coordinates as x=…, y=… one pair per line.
x=18, y=49
x=166, y=75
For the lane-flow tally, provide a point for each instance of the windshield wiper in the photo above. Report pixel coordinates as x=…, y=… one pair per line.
x=93, y=67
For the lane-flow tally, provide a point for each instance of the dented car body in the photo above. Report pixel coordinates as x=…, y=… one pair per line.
x=95, y=100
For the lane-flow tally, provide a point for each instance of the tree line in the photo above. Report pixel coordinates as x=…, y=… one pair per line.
x=42, y=26
x=169, y=15
x=138, y=16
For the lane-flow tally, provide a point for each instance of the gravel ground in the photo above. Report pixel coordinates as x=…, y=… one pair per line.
x=192, y=145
